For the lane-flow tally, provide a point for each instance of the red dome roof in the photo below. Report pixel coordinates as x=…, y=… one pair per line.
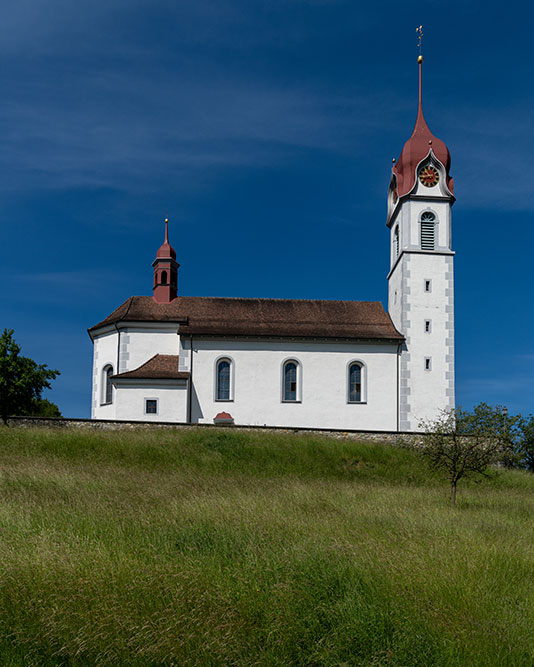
x=416, y=149
x=166, y=250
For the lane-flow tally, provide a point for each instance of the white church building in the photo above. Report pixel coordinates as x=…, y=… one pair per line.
x=299, y=363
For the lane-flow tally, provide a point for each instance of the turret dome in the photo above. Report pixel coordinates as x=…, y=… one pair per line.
x=166, y=250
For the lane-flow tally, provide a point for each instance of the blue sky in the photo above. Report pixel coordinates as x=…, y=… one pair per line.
x=266, y=129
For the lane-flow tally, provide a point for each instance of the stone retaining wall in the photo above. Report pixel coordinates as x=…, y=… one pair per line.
x=392, y=437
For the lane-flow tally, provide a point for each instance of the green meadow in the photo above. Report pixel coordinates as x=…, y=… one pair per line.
x=221, y=547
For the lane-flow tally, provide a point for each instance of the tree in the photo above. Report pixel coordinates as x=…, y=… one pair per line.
x=464, y=444
x=21, y=379
x=526, y=443
x=43, y=408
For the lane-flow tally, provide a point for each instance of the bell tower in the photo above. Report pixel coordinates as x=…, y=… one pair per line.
x=165, y=271
x=421, y=280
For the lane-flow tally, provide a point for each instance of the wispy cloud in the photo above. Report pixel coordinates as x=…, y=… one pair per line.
x=64, y=287
x=113, y=105
x=129, y=131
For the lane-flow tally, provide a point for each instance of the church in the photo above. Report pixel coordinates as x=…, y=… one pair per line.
x=299, y=363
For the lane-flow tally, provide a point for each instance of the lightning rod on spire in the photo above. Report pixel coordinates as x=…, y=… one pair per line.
x=419, y=32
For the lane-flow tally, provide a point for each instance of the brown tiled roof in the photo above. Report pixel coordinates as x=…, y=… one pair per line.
x=159, y=367
x=262, y=317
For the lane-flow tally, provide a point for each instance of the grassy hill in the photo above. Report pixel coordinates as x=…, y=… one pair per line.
x=215, y=547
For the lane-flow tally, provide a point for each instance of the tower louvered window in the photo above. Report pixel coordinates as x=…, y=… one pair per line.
x=428, y=230
x=396, y=241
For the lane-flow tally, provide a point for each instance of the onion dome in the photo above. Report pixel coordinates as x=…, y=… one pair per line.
x=417, y=148
x=166, y=250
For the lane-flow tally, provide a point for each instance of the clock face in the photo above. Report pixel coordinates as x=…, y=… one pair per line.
x=429, y=176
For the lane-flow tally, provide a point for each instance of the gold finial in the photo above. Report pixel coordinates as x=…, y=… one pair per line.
x=393, y=160
x=430, y=142
x=419, y=32
x=166, y=228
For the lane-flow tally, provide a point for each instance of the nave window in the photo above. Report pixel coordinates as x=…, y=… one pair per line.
x=223, y=380
x=107, y=386
x=290, y=378
x=355, y=382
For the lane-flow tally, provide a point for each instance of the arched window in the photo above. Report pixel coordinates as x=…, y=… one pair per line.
x=107, y=386
x=290, y=391
x=355, y=383
x=396, y=243
x=164, y=277
x=223, y=380
x=428, y=230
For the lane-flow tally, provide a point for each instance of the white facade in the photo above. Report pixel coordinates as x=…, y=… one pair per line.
x=125, y=348
x=170, y=398
x=322, y=400
x=256, y=380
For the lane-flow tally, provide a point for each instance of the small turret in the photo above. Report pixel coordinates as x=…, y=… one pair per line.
x=165, y=271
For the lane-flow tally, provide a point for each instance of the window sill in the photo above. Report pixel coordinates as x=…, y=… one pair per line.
x=224, y=400
x=356, y=402
x=282, y=401
x=103, y=404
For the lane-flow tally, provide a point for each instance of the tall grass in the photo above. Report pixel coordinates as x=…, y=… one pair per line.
x=215, y=547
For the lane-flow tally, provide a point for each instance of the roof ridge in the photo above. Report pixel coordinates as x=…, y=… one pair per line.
x=262, y=298
x=259, y=316
x=130, y=300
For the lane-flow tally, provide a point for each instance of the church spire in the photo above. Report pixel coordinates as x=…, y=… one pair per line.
x=419, y=146
x=165, y=271
x=420, y=108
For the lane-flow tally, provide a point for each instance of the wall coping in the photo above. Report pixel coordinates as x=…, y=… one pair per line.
x=66, y=422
